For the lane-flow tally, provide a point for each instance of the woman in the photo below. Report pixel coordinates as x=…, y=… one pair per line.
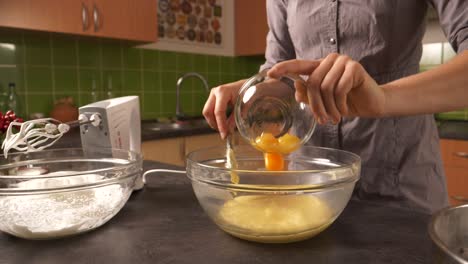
x=380, y=45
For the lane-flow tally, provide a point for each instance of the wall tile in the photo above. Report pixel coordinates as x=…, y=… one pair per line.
x=151, y=81
x=151, y=60
x=132, y=81
x=38, y=48
x=168, y=104
x=151, y=103
x=64, y=50
x=66, y=80
x=168, y=81
x=40, y=103
x=89, y=53
x=39, y=79
x=111, y=55
x=167, y=61
x=112, y=83
x=131, y=58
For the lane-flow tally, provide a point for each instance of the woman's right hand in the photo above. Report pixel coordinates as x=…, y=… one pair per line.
x=218, y=101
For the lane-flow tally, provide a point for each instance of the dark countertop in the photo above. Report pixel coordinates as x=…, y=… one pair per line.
x=163, y=134
x=164, y=223
x=453, y=129
x=447, y=130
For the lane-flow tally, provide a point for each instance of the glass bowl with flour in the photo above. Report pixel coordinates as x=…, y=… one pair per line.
x=62, y=192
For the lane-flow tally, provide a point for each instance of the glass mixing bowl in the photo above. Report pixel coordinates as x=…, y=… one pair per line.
x=274, y=206
x=267, y=105
x=56, y=193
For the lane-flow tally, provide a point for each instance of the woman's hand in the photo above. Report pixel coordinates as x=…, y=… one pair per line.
x=337, y=86
x=215, y=107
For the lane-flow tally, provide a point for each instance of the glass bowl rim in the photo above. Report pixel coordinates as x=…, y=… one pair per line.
x=130, y=163
x=276, y=188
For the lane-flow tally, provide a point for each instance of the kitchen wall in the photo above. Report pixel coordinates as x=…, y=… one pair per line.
x=435, y=54
x=46, y=67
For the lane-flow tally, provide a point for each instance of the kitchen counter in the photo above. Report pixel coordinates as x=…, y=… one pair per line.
x=457, y=130
x=164, y=223
x=180, y=132
x=447, y=130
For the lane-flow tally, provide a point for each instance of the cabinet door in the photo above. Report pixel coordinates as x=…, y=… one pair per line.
x=170, y=151
x=46, y=15
x=250, y=38
x=125, y=19
x=202, y=141
x=455, y=152
x=455, y=158
x=457, y=185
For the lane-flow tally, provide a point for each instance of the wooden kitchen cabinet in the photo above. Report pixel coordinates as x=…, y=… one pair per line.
x=171, y=150
x=124, y=19
x=202, y=141
x=455, y=158
x=174, y=150
x=250, y=38
x=47, y=15
x=118, y=19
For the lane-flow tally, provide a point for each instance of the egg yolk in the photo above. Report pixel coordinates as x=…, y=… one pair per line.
x=274, y=161
x=274, y=148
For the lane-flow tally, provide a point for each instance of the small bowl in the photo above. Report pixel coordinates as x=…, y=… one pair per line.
x=62, y=192
x=274, y=206
x=267, y=105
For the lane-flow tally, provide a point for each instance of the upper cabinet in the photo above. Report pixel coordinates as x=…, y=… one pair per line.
x=119, y=19
x=251, y=27
x=217, y=27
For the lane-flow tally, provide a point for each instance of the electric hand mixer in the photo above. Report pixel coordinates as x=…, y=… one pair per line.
x=112, y=123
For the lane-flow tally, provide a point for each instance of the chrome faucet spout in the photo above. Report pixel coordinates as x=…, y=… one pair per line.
x=179, y=112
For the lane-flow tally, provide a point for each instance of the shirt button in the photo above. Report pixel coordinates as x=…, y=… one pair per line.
x=332, y=41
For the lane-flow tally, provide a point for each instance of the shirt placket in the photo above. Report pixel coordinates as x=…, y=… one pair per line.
x=332, y=32
x=333, y=42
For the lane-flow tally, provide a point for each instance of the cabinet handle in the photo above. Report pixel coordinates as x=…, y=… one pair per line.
x=461, y=154
x=460, y=198
x=97, y=19
x=84, y=17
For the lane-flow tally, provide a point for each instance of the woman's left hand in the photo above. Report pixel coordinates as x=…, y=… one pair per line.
x=337, y=87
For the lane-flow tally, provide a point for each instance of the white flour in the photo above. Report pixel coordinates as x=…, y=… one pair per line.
x=52, y=215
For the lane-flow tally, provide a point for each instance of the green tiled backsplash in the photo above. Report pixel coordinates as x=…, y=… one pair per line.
x=47, y=67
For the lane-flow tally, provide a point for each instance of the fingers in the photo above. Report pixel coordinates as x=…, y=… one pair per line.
x=208, y=110
x=319, y=97
x=329, y=88
x=300, y=67
x=344, y=86
x=216, y=105
x=301, y=92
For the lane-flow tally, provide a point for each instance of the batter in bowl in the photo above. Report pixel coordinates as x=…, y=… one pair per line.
x=275, y=218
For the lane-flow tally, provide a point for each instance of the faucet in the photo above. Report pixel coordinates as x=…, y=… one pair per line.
x=179, y=113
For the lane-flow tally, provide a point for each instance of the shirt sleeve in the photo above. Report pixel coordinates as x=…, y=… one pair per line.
x=279, y=45
x=453, y=17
